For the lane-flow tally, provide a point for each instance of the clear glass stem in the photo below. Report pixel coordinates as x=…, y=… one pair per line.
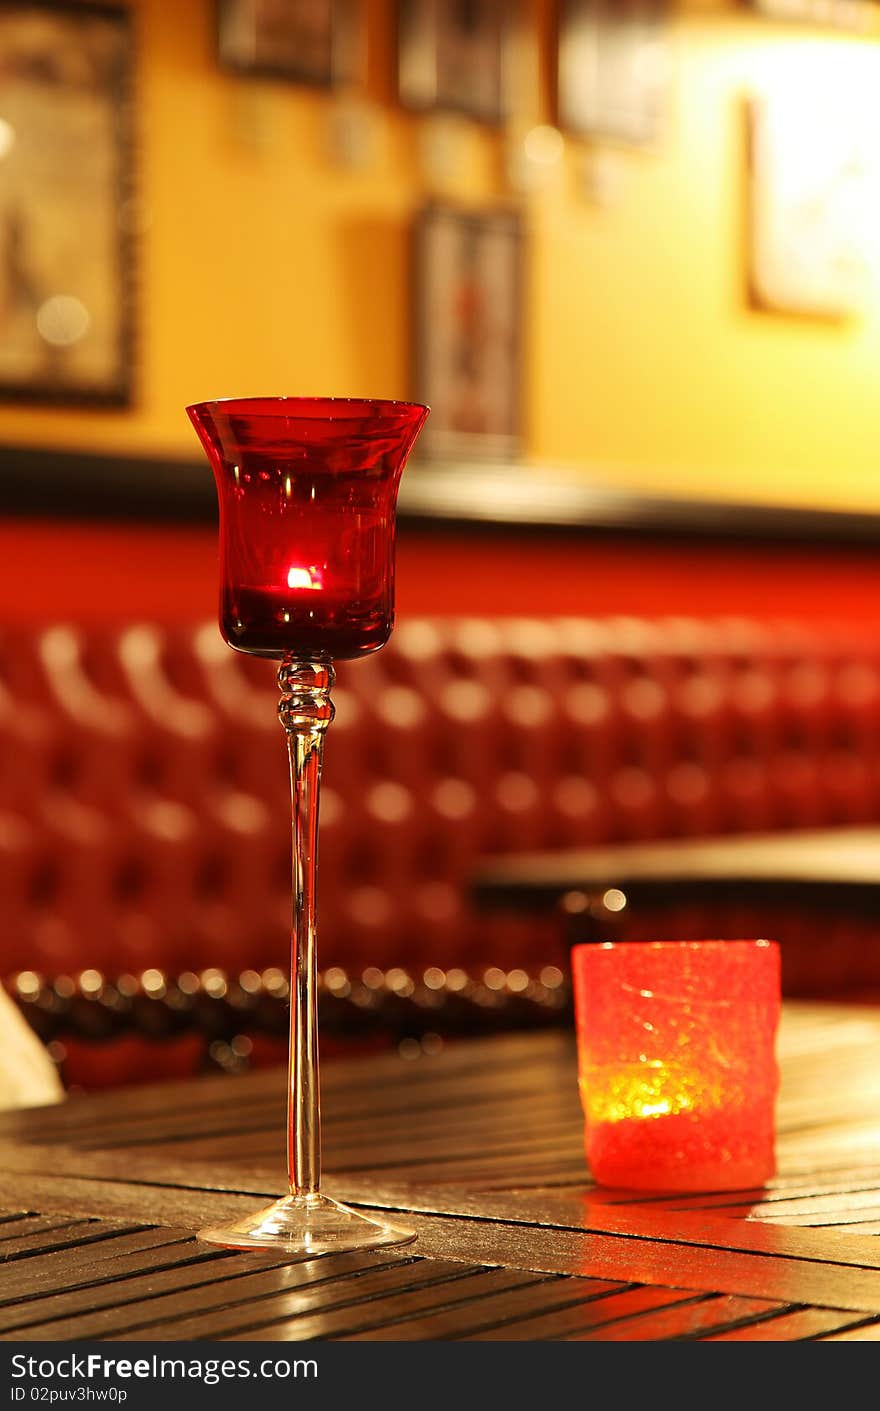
x=305, y=711
x=305, y=1222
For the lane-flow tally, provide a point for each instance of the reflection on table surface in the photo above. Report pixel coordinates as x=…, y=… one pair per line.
x=481, y=1146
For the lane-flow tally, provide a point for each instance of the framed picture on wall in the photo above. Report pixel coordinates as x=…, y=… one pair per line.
x=306, y=41
x=65, y=202
x=853, y=15
x=611, y=69
x=810, y=219
x=451, y=56
x=468, y=316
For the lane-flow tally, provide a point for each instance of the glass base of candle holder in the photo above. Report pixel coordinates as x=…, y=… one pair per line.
x=307, y=1225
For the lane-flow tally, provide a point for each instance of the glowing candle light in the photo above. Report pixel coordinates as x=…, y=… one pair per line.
x=300, y=577
x=677, y=1063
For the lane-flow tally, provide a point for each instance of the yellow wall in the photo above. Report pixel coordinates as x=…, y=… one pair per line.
x=263, y=266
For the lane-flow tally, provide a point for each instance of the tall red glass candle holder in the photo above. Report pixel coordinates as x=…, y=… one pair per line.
x=307, y=490
x=677, y=1062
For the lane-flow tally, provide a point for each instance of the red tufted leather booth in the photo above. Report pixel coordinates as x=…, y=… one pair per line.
x=144, y=808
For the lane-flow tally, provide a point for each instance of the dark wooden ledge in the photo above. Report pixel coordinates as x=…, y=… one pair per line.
x=74, y=485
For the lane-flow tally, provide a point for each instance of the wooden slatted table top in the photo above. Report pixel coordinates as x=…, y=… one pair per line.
x=480, y=1146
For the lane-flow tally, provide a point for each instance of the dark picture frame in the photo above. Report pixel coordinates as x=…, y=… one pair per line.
x=468, y=319
x=315, y=42
x=611, y=69
x=65, y=202
x=450, y=57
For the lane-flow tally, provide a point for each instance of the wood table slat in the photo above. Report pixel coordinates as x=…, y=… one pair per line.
x=581, y=1212
x=11, y=1231
x=477, y=1168
x=376, y=1148
x=83, y=1267
x=853, y=1221
x=860, y=1227
x=689, y=1320
x=397, y=1085
x=275, y=1312
x=387, y=1311
x=700, y=1269
x=195, y=1289
x=56, y=1236
x=801, y=1324
x=864, y=1332
x=564, y=1323
x=542, y=1294
x=522, y=1090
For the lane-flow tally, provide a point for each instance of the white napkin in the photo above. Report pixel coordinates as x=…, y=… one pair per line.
x=28, y=1076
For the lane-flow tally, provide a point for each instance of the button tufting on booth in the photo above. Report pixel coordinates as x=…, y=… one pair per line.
x=144, y=840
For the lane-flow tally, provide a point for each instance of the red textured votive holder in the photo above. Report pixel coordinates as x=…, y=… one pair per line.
x=677, y=1062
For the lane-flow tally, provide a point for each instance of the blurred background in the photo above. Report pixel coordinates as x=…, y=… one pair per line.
x=627, y=252
x=639, y=235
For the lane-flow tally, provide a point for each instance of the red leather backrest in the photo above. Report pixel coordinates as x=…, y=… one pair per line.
x=144, y=808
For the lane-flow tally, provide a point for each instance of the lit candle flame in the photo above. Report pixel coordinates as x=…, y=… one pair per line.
x=301, y=577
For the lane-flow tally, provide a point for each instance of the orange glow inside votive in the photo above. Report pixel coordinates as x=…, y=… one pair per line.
x=677, y=1065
